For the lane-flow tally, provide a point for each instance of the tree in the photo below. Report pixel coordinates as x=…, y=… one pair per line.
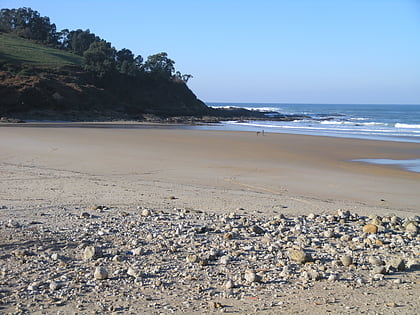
x=99, y=58
x=7, y=20
x=29, y=24
x=63, y=39
x=79, y=41
x=139, y=62
x=160, y=65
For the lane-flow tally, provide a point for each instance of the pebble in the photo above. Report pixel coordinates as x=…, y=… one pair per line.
x=146, y=213
x=346, y=260
x=229, y=284
x=411, y=227
x=224, y=260
x=54, y=285
x=370, y=228
x=92, y=252
x=252, y=276
x=192, y=258
x=375, y=261
x=299, y=256
x=100, y=273
x=188, y=253
x=397, y=263
x=138, y=251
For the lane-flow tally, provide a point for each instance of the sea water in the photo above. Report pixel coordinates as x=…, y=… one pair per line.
x=376, y=122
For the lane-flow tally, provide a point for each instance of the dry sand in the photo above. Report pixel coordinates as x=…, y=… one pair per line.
x=43, y=169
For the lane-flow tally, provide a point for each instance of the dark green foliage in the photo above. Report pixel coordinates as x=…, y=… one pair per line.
x=160, y=65
x=79, y=41
x=99, y=58
x=126, y=63
x=29, y=24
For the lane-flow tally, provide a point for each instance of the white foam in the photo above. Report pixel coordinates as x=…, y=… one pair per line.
x=411, y=126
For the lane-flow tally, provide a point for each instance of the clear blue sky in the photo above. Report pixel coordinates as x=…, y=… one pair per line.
x=285, y=51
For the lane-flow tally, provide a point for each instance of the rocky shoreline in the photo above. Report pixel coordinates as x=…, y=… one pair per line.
x=136, y=259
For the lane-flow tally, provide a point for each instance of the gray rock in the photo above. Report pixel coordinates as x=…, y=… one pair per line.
x=92, y=252
x=299, y=256
x=134, y=272
x=146, y=213
x=251, y=276
x=346, y=260
x=224, y=260
x=397, y=264
x=229, y=284
x=100, y=273
x=137, y=251
x=375, y=261
x=54, y=286
x=411, y=227
x=192, y=258
x=257, y=230
x=379, y=270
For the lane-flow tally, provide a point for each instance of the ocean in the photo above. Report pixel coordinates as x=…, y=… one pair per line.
x=377, y=122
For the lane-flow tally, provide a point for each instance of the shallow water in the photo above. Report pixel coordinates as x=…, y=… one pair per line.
x=409, y=165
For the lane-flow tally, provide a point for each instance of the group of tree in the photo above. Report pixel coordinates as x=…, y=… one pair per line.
x=100, y=57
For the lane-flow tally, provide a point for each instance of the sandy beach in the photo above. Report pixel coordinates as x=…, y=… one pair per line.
x=241, y=169
x=59, y=169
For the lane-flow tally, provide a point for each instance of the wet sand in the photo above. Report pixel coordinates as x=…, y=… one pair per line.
x=241, y=169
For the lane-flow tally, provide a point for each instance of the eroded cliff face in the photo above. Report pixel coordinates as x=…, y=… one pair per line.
x=68, y=93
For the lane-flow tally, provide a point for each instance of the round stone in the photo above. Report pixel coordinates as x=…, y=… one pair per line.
x=100, y=273
x=346, y=260
x=138, y=251
x=299, y=256
x=192, y=258
x=92, y=252
x=229, y=284
x=375, y=261
x=411, y=227
x=370, y=228
x=251, y=276
x=224, y=260
x=146, y=213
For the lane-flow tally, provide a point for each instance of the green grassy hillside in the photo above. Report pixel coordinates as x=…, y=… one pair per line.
x=17, y=50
